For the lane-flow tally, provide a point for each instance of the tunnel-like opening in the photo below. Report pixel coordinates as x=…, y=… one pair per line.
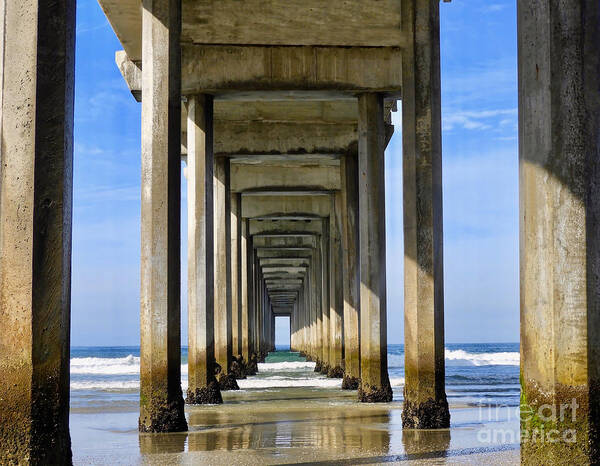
x=282, y=333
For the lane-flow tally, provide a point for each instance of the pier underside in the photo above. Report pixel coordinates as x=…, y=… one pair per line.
x=281, y=113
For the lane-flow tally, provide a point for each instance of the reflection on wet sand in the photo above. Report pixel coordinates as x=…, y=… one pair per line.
x=309, y=426
x=426, y=442
x=296, y=424
x=151, y=444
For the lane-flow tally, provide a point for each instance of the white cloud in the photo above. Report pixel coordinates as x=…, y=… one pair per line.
x=494, y=8
x=476, y=120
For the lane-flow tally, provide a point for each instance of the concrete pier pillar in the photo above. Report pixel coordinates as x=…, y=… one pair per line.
x=351, y=273
x=236, y=229
x=272, y=333
x=36, y=184
x=559, y=171
x=202, y=385
x=245, y=291
x=336, y=289
x=375, y=384
x=315, y=346
x=319, y=309
x=222, y=289
x=425, y=405
x=324, y=243
x=161, y=400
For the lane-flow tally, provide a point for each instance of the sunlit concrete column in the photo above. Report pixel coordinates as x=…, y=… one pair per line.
x=318, y=309
x=161, y=400
x=559, y=168
x=324, y=246
x=315, y=347
x=375, y=384
x=202, y=385
x=425, y=404
x=299, y=326
x=222, y=257
x=236, y=292
x=294, y=330
x=245, y=290
x=306, y=315
x=36, y=183
x=351, y=277
x=336, y=289
x=261, y=317
x=256, y=313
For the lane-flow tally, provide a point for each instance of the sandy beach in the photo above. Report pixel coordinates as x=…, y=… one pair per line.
x=294, y=426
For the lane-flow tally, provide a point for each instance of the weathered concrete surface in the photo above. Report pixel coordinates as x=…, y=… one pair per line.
x=202, y=386
x=249, y=177
x=236, y=321
x=325, y=309
x=222, y=289
x=337, y=23
x=425, y=404
x=245, y=294
x=351, y=278
x=286, y=206
x=285, y=226
x=255, y=138
x=336, y=289
x=559, y=154
x=212, y=68
x=131, y=72
x=161, y=400
x=36, y=176
x=375, y=384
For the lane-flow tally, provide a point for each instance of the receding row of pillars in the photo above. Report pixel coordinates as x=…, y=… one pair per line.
x=559, y=74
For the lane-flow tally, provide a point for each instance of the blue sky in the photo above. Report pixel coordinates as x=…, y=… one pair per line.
x=480, y=169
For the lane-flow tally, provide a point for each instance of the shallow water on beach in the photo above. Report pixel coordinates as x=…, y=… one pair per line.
x=287, y=414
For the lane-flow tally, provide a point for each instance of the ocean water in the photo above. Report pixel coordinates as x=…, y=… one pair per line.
x=106, y=379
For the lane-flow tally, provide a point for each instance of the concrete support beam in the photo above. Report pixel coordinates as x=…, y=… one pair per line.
x=257, y=138
x=336, y=289
x=252, y=177
x=559, y=158
x=425, y=405
x=230, y=68
x=351, y=272
x=161, y=400
x=275, y=225
x=202, y=385
x=279, y=254
x=284, y=206
x=222, y=290
x=285, y=242
x=375, y=384
x=36, y=182
x=285, y=262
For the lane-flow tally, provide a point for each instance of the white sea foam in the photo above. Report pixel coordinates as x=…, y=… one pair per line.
x=283, y=382
x=286, y=366
x=461, y=357
x=397, y=382
x=106, y=385
x=465, y=358
x=129, y=365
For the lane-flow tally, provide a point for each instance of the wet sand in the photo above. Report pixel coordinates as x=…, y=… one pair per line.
x=295, y=426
